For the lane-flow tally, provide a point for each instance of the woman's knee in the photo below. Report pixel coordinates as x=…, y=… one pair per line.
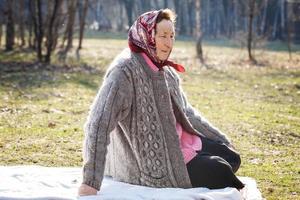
x=236, y=161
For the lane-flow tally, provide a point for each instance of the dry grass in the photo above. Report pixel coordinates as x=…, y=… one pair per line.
x=42, y=109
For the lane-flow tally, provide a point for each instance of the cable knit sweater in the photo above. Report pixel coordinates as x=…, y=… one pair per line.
x=189, y=143
x=130, y=133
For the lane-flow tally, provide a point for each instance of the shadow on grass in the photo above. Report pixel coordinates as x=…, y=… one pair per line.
x=25, y=75
x=86, y=82
x=18, y=55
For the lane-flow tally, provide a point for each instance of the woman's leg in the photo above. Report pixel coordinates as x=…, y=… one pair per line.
x=214, y=166
x=212, y=172
x=223, y=151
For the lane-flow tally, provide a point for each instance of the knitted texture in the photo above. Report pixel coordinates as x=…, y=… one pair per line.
x=130, y=132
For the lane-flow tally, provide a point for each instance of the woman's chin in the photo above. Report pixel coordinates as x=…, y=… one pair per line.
x=163, y=59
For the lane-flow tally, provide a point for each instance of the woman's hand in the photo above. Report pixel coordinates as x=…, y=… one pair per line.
x=85, y=190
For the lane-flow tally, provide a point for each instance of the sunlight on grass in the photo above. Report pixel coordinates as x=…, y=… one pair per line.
x=42, y=111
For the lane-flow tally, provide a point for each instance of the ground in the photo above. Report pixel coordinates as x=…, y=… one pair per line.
x=43, y=107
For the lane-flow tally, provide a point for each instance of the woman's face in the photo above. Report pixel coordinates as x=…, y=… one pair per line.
x=164, y=39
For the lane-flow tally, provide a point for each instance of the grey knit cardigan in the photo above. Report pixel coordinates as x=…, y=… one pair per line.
x=130, y=133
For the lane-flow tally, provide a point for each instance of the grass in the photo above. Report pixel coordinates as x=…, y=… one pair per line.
x=42, y=110
x=262, y=120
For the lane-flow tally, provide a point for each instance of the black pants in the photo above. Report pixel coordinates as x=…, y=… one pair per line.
x=214, y=166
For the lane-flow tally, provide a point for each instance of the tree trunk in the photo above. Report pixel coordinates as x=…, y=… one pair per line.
x=228, y=13
x=38, y=23
x=129, y=10
x=251, y=7
x=36, y=14
x=1, y=32
x=223, y=23
x=274, y=35
x=70, y=25
x=58, y=24
x=231, y=15
x=82, y=23
x=216, y=22
x=30, y=37
x=198, y=31
x=263, y=21
x=296, y=23
x=29, y=24
x=21, y=22
x=183, y=19
x=235, y=17
x=10, y=30
x=282, y=19
x=121, y=18
x=191, y=19
x=177, y=6
x=289, y=28
x=208, y=19
x=166, y=3
x=50, y=33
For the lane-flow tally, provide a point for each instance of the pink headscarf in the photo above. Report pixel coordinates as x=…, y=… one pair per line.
x=141, y=38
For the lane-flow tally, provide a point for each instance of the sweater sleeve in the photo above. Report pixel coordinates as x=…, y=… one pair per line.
x=201, y=124
x=111, y=105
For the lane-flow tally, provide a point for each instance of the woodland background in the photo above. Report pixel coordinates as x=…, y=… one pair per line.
x=243, y=74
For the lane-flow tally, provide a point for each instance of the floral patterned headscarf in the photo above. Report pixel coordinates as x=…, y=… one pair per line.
x=141, y=38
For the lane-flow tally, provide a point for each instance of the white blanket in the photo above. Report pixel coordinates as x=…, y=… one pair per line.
x=46, y=183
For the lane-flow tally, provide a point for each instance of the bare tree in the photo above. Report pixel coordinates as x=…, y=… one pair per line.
x=251, y=20
x=290, y=26
x=275, y=22
x=72, y=5
x=45, y=29
x=264, y=17
x=177, y=10
x=120, y=22
x=82, y=16
x=53, y=9
x=1, y=32
x=207, y=18
x=1, y=20
x=191, y=16
x=251, y=7
x=128, y=7
x=21, y=18
x=282, y=18
x=36, y=13
x=10, y=29
x=180, y=8
x=198, y=31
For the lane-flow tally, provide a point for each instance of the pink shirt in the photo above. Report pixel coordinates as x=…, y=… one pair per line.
x=189, y=143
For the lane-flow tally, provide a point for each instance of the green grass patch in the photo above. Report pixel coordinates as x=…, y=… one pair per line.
x=42, y=111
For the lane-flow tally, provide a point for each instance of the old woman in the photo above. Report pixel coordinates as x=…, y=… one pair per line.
x=141, y=128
